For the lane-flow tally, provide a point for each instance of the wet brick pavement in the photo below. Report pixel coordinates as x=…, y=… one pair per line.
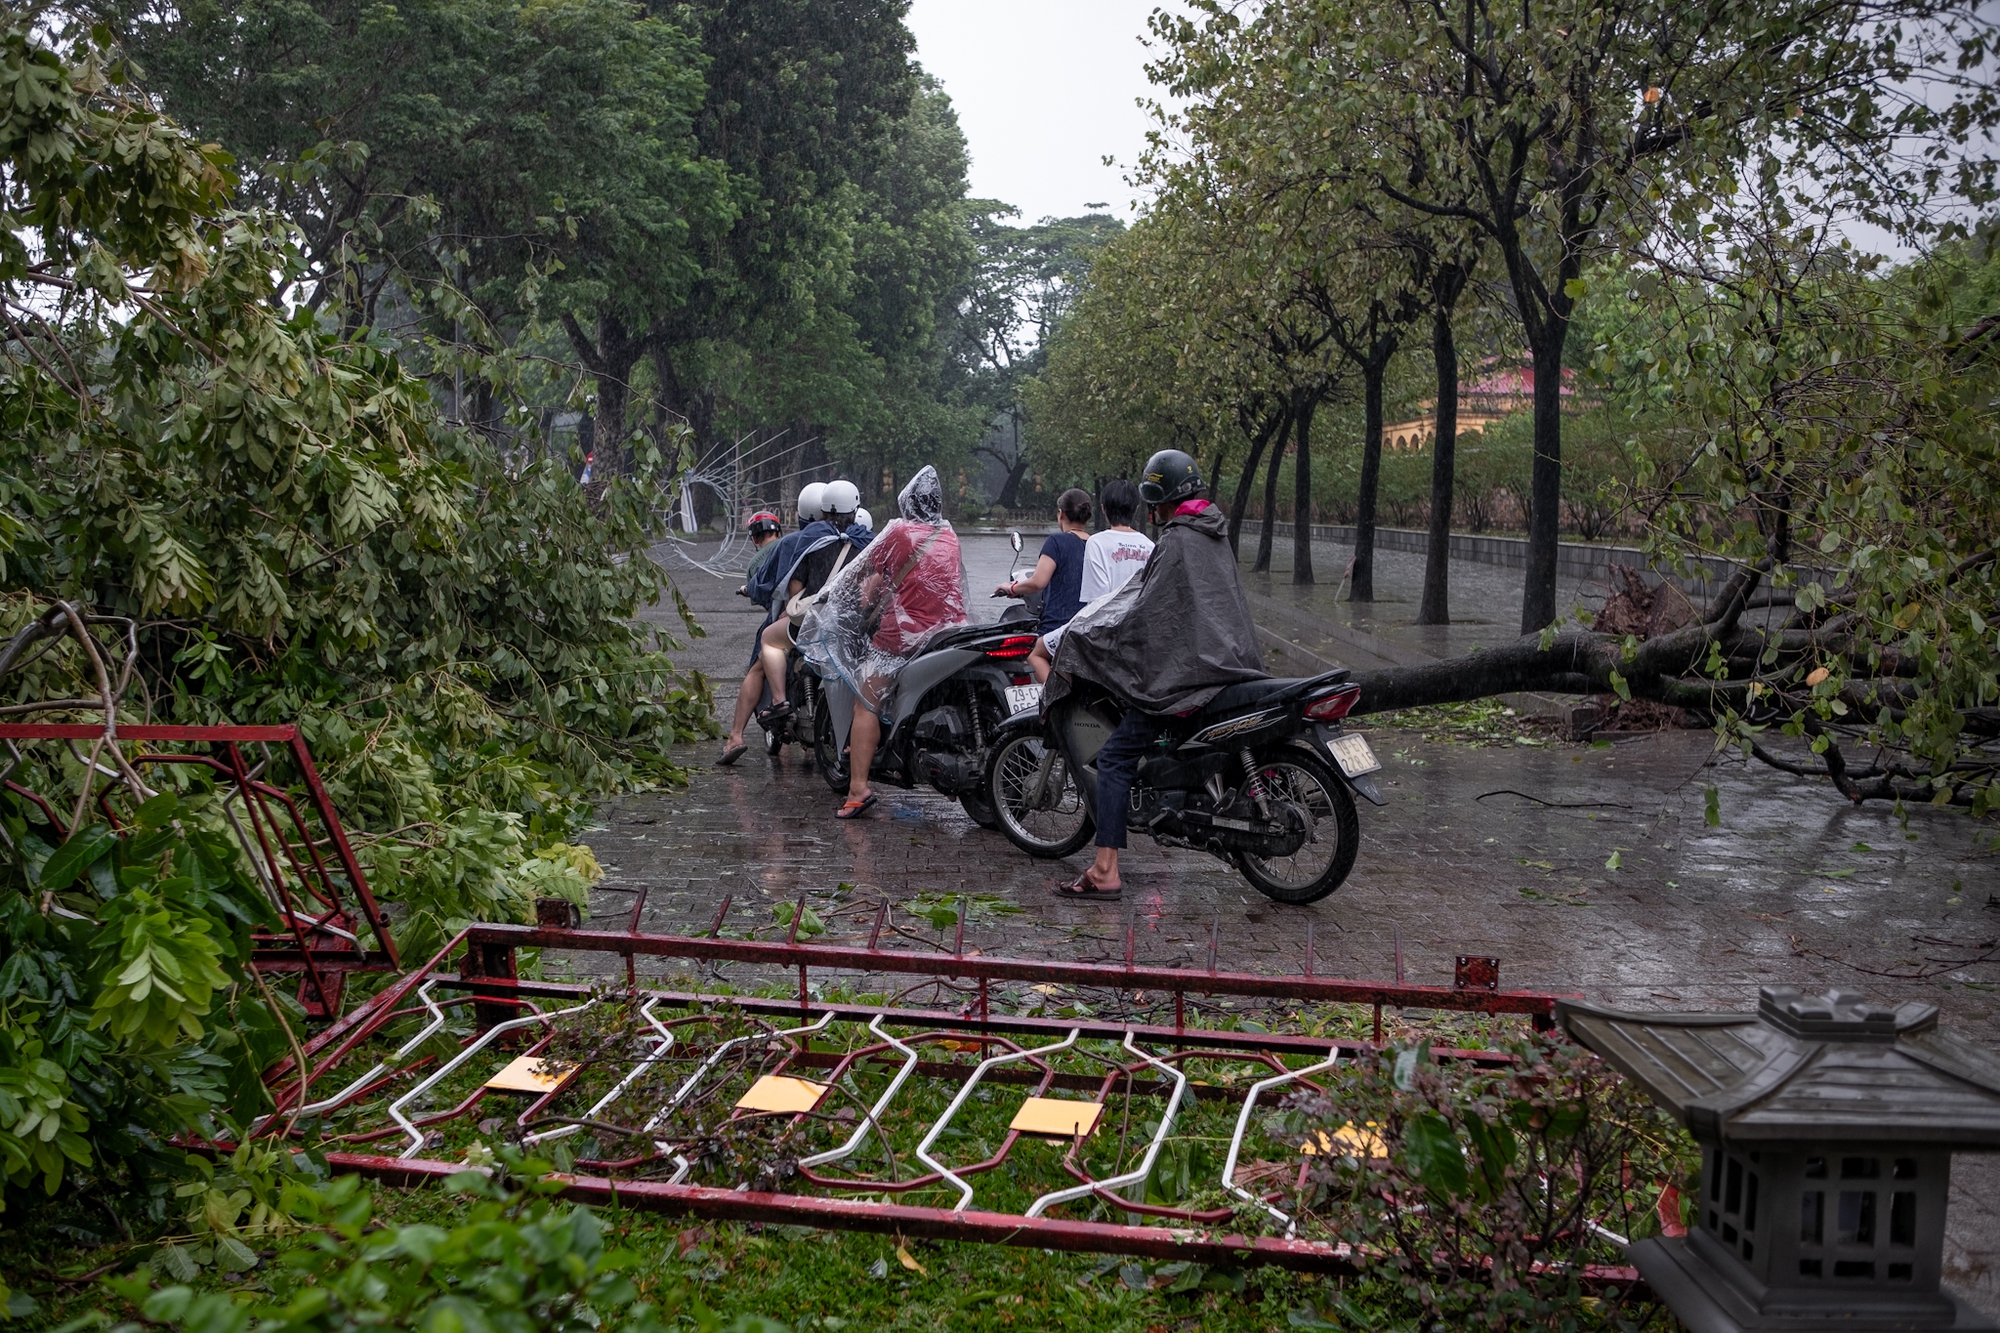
x=1498, y=851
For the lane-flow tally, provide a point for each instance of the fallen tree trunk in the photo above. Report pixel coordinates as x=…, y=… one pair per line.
x=1754, y=683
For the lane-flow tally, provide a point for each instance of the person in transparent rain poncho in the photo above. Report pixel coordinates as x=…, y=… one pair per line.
x=878, y=612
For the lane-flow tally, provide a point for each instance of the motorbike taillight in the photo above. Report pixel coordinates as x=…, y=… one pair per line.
x=1335, y=706
x=1014, y=645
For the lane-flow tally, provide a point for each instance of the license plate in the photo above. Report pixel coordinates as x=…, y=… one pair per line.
x=1020, y=698
x=1352, y=754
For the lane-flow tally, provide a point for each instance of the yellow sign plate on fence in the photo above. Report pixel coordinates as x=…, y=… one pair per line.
x=1347, y=1141
x=1057, y=1117
x=531, y=1073
x=775, y=1092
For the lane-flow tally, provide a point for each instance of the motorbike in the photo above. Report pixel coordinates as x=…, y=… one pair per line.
x=1263, y=777
x=940, y=722
x=962, y=685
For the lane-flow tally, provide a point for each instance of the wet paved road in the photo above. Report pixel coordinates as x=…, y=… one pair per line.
x=1499, y=851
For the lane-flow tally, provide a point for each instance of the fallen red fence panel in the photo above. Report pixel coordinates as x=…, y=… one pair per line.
x=312, y=876
x=428, y=1093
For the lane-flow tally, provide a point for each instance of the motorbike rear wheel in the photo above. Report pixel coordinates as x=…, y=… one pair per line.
x=826, y=749
x=978, y=807
x=1062, y=823
x=1333, y=837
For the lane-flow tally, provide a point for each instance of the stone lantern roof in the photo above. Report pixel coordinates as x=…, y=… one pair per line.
x=1805, y=1067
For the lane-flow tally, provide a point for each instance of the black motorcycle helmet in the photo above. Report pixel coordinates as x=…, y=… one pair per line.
x=1170, y=477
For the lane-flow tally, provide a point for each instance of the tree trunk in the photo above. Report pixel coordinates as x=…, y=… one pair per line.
x=1277, y=460
x=1436, y=606
x=1302, y=551
x=1010, y=489
x=1538, y=592
x=609, y=357
x=1363, y=587
x=1274, y=424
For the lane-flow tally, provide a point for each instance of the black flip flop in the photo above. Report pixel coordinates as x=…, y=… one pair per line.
x=731, y=754
x=1081, y=887
x=856, y=809
x=777, y=712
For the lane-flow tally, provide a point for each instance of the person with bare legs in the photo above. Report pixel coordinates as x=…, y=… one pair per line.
x=876, y=616
x=767, y=574
x=819, y=564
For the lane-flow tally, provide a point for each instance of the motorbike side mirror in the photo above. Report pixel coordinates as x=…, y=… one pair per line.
x=1014, y=540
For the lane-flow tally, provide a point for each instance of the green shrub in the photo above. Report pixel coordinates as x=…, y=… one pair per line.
x=281, y=527
x=1486, y=1191
x=517, y=1263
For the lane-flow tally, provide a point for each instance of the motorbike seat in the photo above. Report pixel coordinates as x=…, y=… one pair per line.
x=1271, y=690
x=958, y=634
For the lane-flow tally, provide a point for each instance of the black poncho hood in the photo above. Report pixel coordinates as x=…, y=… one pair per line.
x=1172, y=638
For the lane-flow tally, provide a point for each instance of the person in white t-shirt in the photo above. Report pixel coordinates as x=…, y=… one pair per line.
x=1110, y=559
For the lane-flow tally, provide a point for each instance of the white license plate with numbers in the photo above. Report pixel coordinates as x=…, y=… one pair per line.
x=1352, y=754
x=1020, y=698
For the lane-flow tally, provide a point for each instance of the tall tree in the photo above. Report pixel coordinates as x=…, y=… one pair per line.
x=802, y=101
x=1562, y=114
x=1029, y=279
x=537, y=159
x=1449, y=274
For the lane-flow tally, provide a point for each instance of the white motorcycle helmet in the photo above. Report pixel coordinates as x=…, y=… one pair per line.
x=865, y=519
x=812, y=501
x=840, y=497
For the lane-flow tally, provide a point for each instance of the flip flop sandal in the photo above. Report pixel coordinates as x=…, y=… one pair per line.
x=774, y=713
x=731, y=754
x=856, y=809
x=1081, y=887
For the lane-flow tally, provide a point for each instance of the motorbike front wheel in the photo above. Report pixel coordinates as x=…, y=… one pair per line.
x=1056, y=824
x=826, y=748
x=1333, y=830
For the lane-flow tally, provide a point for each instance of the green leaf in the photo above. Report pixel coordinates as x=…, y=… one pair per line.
x=1434, y=1155
x=1711, y=806
x=1613, y=861
x=156, y=812
x=84, y=848
x=1496, y=1149
x=1620, y=686
x=175, y=1262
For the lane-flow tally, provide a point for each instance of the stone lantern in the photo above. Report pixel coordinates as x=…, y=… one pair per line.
x=1826, y=1125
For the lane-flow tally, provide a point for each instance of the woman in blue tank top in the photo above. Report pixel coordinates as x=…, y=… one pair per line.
x=1058, y=572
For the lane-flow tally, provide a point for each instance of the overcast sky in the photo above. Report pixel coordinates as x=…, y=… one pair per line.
x=1045, y=90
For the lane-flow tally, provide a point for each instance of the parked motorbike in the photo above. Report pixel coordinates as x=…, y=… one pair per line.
x=1263, y=778
x=938, y=725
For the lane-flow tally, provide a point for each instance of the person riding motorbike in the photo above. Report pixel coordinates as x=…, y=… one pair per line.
x=1166, y=643
x=763, y=528
x=844, y=498
x=1058, y=573
x=1110, y=559
x=819, y=563
x=877, y=614
x=762, y=586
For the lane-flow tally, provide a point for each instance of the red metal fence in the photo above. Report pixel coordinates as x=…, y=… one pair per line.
x=300, y=854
